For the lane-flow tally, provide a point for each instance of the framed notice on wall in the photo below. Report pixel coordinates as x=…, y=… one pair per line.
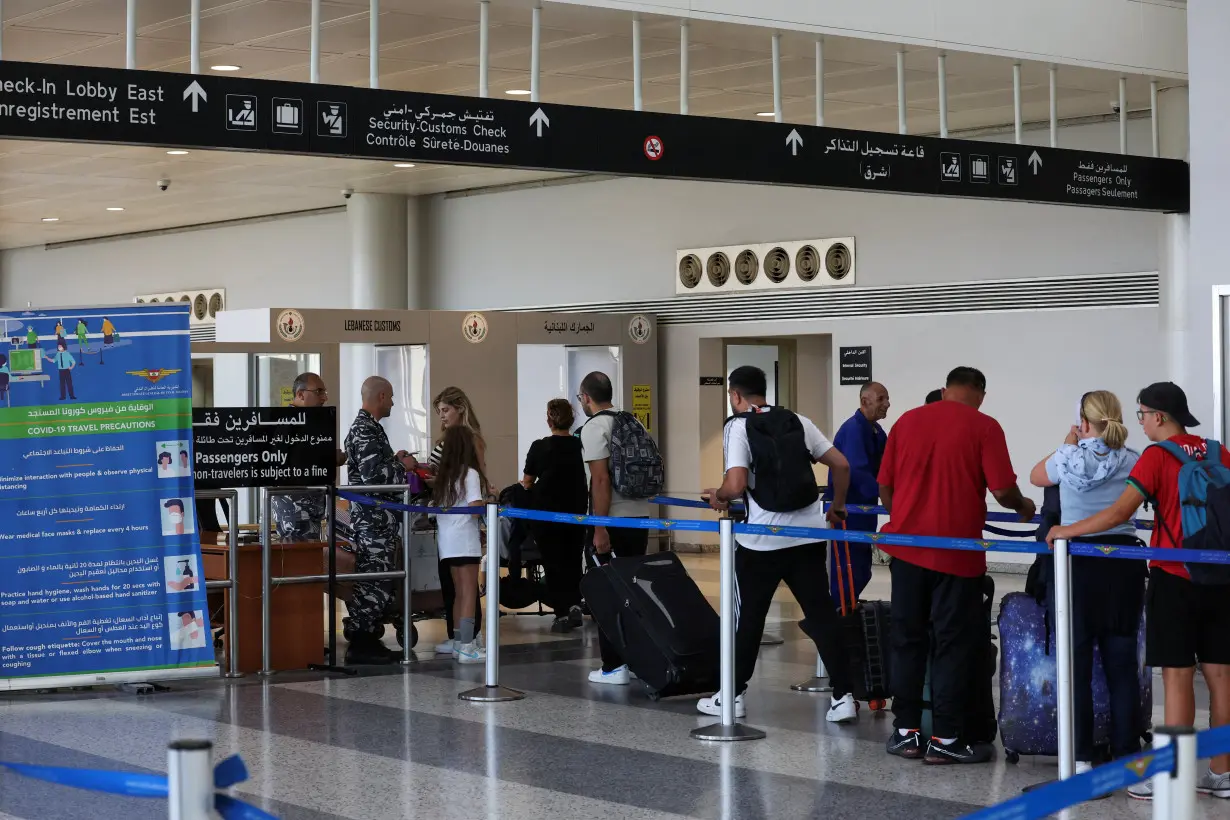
x=854, y=365
x=264, y=446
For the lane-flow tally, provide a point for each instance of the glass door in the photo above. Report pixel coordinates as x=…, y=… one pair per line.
x=274, y=375
x=411, y=425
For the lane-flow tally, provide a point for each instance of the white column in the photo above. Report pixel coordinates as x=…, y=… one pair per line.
x=683, y=66
x=777, y=77
x=1153, y=123
x=535, y=51
x=638, y=101
x=484, y=20
x=1017, y=124
x=1054, y=72
x=901, y=121
x=1123, y=115
x=314, y=59
x=194, y=37
x=1174, y=239
x=373, y=44
x=130, y=34
x=820, y=81
x=942, y=75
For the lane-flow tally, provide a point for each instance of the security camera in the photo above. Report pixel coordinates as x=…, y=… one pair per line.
x=348, y=192
x=1114, y=106
x=163, y=184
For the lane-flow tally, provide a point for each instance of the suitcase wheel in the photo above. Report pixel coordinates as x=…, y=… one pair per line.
x=877, y=704
x=1012, y=757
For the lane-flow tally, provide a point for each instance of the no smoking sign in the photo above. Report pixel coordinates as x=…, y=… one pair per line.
x=654, y=148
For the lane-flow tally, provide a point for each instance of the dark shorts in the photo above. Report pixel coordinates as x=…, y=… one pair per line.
x=1185, y=623
x=460, y=562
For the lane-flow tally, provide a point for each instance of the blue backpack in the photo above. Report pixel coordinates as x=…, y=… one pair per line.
x=1204, y=499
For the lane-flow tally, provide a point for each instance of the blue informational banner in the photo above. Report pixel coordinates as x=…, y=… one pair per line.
x=100, y=559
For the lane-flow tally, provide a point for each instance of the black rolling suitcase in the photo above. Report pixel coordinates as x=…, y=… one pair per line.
x=866, y=628
x=659, y=621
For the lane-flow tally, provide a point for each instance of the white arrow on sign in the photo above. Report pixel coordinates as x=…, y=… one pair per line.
x=540, y=119
x=794, y=141
x=196, y=93
x=1035, y=162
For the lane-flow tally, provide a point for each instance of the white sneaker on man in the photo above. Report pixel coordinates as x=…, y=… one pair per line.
x=1214, y=785
x=616, y=677
x=713, y=706
x=1142, y=790
x=445, y=647
x=469, y=653
x=842, y=710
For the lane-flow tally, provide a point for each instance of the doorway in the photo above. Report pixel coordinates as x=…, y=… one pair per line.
x=546, y=372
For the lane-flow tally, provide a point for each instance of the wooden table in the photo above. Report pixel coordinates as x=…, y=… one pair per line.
x=297, y=619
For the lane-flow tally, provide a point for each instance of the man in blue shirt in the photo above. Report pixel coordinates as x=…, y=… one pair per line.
x=65, y=362
x=861, y=440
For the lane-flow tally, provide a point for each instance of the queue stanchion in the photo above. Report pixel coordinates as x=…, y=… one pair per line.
x=727, y=729
x=190, y=780
x=266, y=516
x=491, y=691
x=1174, y=792
x=407, y=625
x=1063, y=657
x=232, y=570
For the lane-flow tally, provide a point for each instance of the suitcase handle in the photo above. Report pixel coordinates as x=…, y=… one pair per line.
x=841, y=590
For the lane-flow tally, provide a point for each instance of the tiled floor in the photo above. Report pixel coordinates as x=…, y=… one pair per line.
x=400, y=744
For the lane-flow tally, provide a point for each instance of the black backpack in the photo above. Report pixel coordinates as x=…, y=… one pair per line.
x=781, y=461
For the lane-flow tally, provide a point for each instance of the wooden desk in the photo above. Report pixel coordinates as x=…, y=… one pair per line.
x=297, y=611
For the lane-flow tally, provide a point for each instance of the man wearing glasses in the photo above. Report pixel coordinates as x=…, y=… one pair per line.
x=299, y=518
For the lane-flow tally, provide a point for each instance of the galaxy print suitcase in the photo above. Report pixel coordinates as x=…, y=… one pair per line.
x=1028, y=706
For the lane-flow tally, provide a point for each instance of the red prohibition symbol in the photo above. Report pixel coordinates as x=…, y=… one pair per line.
x=654, y=148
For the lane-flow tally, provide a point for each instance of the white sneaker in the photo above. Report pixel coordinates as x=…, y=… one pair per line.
x=1082, y=766
x=1142, y=790
x=616, y=677
x=843, y=710
x=445, y=647
x=1215, y=785
x=713, y=706
x=470, y=653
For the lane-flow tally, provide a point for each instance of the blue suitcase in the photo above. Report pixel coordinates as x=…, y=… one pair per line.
x=1028, y=702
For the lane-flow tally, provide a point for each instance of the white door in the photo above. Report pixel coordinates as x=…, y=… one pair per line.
x=585, y=360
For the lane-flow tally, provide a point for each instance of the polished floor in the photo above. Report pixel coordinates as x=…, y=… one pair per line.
x=399, y=744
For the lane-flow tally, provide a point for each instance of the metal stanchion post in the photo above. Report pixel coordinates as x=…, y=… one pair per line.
x=727, y=729
x=232, y=570
x=190, y=780
x=1063, y=657
x=1174, y=792
x=266, y=516
x=407, y=626
x=491, y=691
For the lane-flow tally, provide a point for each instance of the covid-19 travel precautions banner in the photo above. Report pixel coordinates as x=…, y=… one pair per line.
x=100, y=558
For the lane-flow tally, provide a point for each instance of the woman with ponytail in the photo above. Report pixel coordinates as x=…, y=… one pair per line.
x=1107, y=596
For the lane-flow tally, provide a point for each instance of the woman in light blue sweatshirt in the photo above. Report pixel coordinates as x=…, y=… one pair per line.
x=1107, y=595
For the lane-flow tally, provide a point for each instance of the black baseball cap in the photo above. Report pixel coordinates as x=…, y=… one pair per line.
x=1168, y=398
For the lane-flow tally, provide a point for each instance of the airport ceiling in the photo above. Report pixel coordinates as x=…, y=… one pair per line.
x=432, y=46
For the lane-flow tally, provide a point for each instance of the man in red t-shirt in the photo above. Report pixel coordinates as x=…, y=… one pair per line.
x=1185, y=623
x=939, y=462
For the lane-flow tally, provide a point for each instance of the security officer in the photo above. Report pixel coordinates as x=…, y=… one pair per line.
x=298, y=518
x=370, y=460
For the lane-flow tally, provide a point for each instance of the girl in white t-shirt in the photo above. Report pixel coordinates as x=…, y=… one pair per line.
x=459, y=482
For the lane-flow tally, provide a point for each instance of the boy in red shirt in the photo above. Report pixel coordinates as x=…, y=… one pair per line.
x=1185, y=623
x=939, y=462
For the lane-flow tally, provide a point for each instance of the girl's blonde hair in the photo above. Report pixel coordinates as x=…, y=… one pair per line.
x=1101, y=408
x=455, y=397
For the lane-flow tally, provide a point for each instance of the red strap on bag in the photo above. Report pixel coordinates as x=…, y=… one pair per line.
x=841, y=589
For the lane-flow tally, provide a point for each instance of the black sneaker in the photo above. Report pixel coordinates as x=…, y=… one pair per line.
x=958, y=752
x=562, y=624
x=368, y=651
x=909, y=746
x=575, y=617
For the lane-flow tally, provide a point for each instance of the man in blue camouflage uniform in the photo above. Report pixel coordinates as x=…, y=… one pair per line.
x=299, y=518
x=370, y=460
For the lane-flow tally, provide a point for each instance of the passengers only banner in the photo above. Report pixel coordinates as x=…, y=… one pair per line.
x=100, y=559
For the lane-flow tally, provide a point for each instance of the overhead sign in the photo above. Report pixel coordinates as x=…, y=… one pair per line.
x=854, y=365
x=264, y=446
x=78, y=103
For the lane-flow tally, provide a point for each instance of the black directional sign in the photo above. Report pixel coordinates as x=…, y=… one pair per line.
x=82, y=104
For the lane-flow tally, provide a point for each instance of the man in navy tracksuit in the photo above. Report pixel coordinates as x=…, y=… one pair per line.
x=861, y=440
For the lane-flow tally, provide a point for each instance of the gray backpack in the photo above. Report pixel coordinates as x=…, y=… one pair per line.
x=636, y=464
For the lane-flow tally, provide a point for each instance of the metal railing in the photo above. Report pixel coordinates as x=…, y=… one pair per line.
x=232, y=574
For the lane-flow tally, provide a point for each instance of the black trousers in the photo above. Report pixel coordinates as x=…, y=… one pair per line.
x=927, y=603
x=561, y=546
x=803, y=568
x=625, y=543
x=66, y=383
x=450, y=595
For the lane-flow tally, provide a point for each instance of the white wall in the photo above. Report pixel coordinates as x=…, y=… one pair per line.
x=1138, y=36
x=300, y=260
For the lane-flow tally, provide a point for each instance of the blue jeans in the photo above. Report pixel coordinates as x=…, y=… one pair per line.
x=1119, y=661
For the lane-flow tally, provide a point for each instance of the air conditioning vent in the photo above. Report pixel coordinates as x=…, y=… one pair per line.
x=718, y=269
x=785, y=265
x=205, y=305
x=777, y=265
x=747, y=267
x=839, y=261
x=689, y=271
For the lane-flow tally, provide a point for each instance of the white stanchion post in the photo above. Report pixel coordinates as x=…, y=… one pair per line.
x=407, y=612
x=727, y=729
x=1063, y=657
x=491, y=691
x=232, y=571
x=190, y=780
x=1174, y=792
x=264, y=521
